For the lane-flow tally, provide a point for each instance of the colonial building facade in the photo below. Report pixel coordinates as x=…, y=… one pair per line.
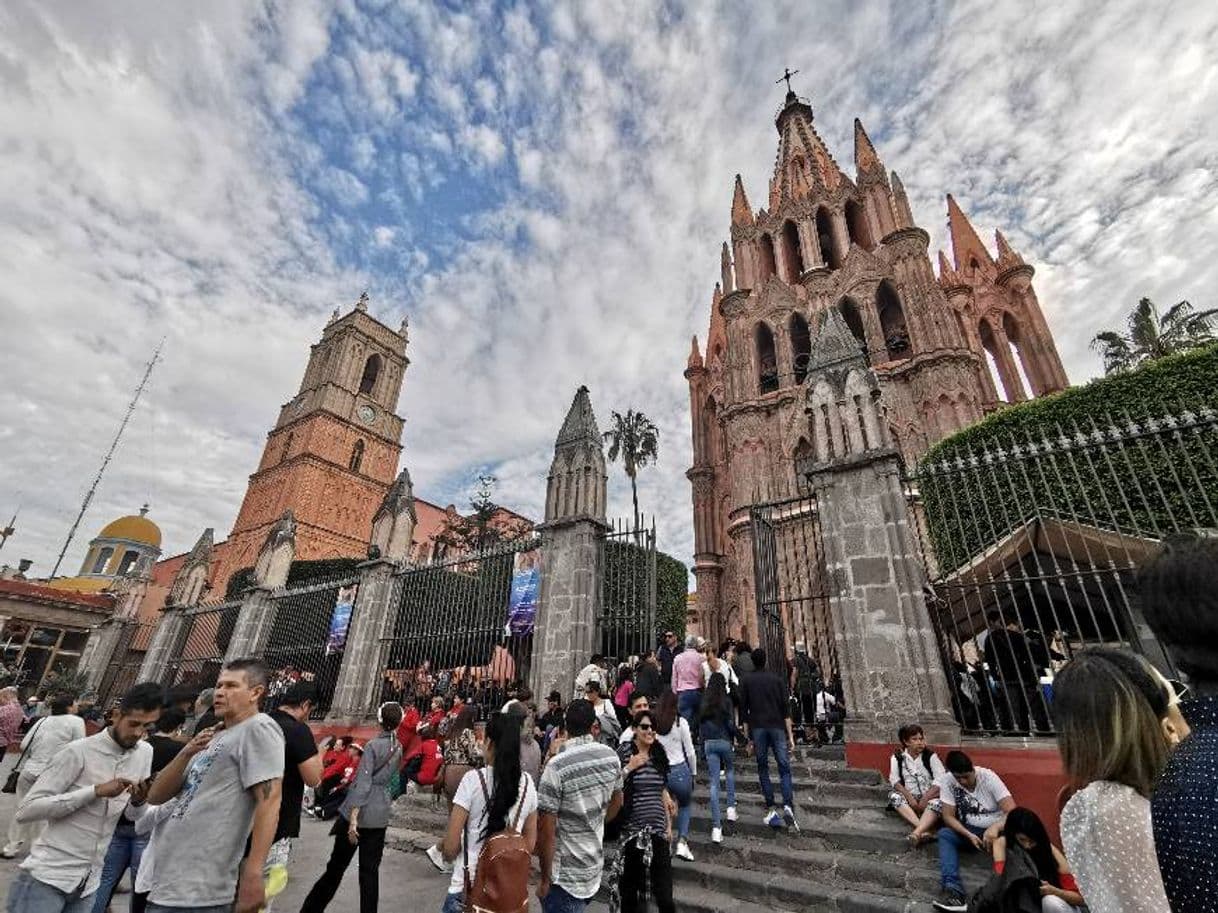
x=945, y=349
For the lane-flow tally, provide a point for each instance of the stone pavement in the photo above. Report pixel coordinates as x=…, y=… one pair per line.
x=408, y=880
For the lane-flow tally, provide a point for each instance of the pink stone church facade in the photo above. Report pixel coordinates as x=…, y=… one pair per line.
x=946, y=349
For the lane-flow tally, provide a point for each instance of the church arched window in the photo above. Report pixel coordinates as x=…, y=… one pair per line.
x=766, y=247
x=824, y=239
x=791, y=253
x=357, y=456
x=856, y=225
x=854, y=320
x=892, y=321
x=767, y=361
x=287, y=446
x=372, y=370
x=801, y=346
x=128, y=563
x=990, y=346
x=1018, y=355
x=103, y=558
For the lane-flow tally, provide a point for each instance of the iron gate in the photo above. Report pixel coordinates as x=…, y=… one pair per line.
x=790, y=579
x=627, y=622
x=463, y=628
x=124, y=667
x=1032, y=545
x=198, y=654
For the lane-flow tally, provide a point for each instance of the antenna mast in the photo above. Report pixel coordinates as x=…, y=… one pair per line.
x=109, y=455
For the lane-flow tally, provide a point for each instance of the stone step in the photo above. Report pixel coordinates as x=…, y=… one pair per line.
x=747, y=782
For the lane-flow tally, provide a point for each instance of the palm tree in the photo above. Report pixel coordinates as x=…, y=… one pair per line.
x=636, y=440
x=1149, y=336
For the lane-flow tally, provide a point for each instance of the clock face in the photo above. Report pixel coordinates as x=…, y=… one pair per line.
x=367, y=414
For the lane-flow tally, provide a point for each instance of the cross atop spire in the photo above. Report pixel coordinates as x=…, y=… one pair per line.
x=787, y=73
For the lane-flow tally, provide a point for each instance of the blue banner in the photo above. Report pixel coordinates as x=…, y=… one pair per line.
x=526, y=587
x=340, y=621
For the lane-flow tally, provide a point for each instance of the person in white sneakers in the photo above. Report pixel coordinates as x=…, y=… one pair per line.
x=717, y=730
x=678, y=744
x=766, y=712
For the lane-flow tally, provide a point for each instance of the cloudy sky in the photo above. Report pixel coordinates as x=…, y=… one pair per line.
x=542, y=188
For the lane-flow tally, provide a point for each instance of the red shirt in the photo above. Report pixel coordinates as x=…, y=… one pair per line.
x=408, y=734
x=433, y=759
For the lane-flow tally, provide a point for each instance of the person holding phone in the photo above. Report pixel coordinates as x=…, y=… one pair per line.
x=80, y=795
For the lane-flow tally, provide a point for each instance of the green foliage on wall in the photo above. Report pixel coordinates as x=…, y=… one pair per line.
x=301, y=572
x=672, y=588
x=1097, y=455
x=625, y=594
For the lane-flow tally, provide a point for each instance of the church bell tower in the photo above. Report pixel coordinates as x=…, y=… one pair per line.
x=333, y=453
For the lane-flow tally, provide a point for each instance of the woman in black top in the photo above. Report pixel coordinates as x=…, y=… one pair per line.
x=647, y=828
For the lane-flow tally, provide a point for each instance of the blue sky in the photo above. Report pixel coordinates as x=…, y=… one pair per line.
x=542, y=188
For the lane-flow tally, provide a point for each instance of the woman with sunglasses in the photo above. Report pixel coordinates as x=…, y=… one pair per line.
x=647, y=829
x=1117, y=721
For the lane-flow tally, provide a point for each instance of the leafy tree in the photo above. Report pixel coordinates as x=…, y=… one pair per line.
x=636, y=441
x=1148, y=336
x=486, y=526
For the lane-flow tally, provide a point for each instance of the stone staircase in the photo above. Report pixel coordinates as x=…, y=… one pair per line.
x=850, y=854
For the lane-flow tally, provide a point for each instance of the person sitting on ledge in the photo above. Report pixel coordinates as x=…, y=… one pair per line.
x=914, y=773
x=974, y=803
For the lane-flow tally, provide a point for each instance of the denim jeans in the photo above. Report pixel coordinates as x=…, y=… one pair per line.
x=950, y=844
x=775, y=740
x=453, y=903
x=29, y=895
x=681, y=785
x=688, y=703
x=560, y=901
x=719, y=753
x=125, y=850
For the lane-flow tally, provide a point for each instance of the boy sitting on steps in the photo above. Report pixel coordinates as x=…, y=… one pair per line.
x=912, y=774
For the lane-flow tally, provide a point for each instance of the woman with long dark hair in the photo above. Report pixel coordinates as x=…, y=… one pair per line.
x=462, y=753
x=362, y=819
x=1058, y=889
x=678, y=744
x=1117, y=721
x=647, y=829
x=717, y=727
x=472, y=820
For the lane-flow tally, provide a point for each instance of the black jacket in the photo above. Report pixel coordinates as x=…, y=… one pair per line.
x=1016, y=890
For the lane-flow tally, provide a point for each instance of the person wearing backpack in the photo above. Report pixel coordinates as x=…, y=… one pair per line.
x=912, y=773
x=492, y=828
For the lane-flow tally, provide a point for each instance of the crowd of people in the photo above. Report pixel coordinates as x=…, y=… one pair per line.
x=617, y=762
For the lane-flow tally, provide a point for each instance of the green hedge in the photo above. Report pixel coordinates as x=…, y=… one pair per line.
x=672, y=590
x=625, y=593
x=1147, y=483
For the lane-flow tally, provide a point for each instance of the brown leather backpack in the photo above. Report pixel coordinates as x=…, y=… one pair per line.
x=501, y=884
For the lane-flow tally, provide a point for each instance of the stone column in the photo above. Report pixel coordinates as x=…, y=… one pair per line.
x=572, y=565
x=253, y=626
x=891, y=669
x=372, y=624
x=99, y=650
x=571, y=574
x=166, y=641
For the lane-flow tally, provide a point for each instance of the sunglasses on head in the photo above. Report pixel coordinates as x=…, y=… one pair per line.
x=1179, y=689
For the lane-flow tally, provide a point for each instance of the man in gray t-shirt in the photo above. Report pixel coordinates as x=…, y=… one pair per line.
x=223, y=781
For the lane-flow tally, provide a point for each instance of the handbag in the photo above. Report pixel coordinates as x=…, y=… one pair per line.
x=10, y=784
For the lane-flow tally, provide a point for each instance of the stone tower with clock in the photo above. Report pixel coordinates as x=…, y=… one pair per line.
x=333, y=453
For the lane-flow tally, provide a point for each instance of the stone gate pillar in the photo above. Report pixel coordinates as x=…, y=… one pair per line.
x=375, y=616
x=573, y=544
x=187, y=589
x=257, y=613
x=165, y=642
x=109, y=641
x=892, y=672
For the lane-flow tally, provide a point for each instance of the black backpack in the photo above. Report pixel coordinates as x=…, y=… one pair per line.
x=927, y=754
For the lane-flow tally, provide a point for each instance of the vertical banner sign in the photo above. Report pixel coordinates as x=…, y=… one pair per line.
x=526, y=585
x=340, y=621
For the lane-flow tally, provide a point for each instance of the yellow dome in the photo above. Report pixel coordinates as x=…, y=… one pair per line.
x=134, y=528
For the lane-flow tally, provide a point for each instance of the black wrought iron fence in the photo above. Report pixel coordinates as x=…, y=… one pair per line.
x=124, y=667
x=628, y=592
x=790, y=579
x=202, y=641
x=1032, y=545
x=463, y=628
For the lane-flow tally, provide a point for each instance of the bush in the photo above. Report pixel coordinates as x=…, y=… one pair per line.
x=300, y=572
x=1097, y=455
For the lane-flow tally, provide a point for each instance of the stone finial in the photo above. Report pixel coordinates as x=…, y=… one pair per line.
x=1007, y=258
x=865, y=158
x=695, y=357
x=725, y=268
x=333, y=317
x=833, y=345
x=576, y=488
x=404, y=329
x=742, y=213
x=901, y=199
x=361, y=303
x=190, y=581
x=966, y=245
x=277, y=552
x=394, y=523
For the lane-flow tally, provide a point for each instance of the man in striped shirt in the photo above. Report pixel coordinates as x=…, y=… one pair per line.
x=580, y=787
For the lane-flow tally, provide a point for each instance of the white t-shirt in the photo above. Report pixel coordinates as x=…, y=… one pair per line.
x=725, y=669
x=979, y=806
x=470, y=797
x=917, y=779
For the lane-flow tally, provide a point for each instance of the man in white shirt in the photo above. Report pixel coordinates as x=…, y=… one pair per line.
x=82, y=793
x=974, y=803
